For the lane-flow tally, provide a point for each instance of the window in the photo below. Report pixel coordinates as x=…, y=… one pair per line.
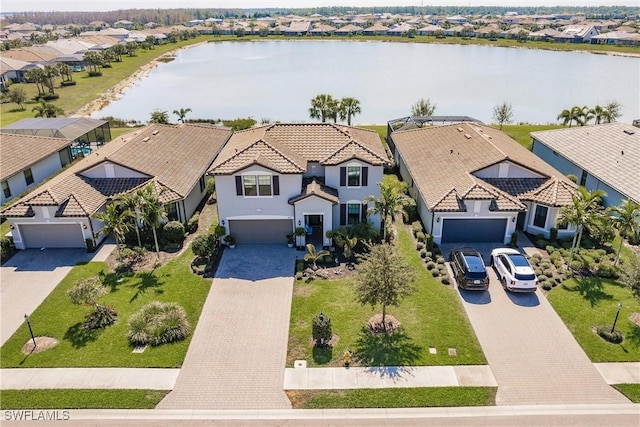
x=264, y=185
x=353, y=213
x=258, y=185
x=250, y=185
x=540, y=217
x=28, y=176
x=353, y=176
x=6, y=190
x=202, y=184
x=172, y=211
x=583, y=178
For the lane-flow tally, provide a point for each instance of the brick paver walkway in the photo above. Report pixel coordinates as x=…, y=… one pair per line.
x=532, y=354
x=238, y=353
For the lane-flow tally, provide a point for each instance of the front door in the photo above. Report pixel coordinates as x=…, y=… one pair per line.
x=314, y=227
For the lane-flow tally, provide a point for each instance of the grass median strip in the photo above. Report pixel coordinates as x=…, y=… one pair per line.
x=80, y=399
x=393, y=398
x=632, y=391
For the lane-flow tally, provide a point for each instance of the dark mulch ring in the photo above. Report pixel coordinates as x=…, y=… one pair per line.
x=390, y=323
x=147, y=263
x=42, y=344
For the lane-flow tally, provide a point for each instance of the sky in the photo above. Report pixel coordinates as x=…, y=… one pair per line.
x=106, y=5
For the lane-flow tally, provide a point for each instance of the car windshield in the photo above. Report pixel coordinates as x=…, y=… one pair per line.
x=519, y=260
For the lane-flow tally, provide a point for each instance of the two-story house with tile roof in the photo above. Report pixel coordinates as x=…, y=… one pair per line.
x=275, y=178
x=473, y=183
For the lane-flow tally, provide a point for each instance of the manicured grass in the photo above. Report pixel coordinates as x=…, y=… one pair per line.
x=81, y=399
x=433, y=316
x=585, y=303
x=89, y=88
x=632, y=391
x=116, y=132
x=57, y=317
x=394, y=398
x=521, y=132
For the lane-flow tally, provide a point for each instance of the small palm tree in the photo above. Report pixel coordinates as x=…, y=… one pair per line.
x=47, y=109
x=152, y=211
x=323, y=107
x=349, y=107
x=312, y=256
x=626, y=220
x=131, y=202
x=181, y=113
x=392, y=200
x=116, y=223
x=583, y=212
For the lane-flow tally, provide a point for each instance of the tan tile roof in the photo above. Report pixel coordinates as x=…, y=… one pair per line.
x=553, y=193
x=173, y=157
x=610, y=152
x=443, y=159
x=316, y=188
x=286, y=148
x=19, y=152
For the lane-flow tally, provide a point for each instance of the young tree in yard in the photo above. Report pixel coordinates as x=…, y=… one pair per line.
x=503, y=113
x=312, y=256
x=116, y=224
x=182, y=113
x=393, y=198
x=423, y=107
x=321, y=329
x=626, y=220
x=323, y=107
x=47, y=109
x=17, y=95
x=152, y=212
x=383, y=277
x=349, y=107
x=158, y=116
x=86, y=291
x=613, y=111
x=630, y=274
x=131, y=202
x=583, y=212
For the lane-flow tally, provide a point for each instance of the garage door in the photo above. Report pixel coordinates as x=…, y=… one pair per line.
x=261, y=231
x=52, y=236
x=473, y=230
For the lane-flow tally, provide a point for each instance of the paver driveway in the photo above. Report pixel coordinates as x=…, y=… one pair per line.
x=532, y=354
x=237, y=356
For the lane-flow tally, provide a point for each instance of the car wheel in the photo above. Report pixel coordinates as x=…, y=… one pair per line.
x=490, y=261
x=504, y=283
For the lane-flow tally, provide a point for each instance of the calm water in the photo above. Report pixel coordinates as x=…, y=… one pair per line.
x=277, y=80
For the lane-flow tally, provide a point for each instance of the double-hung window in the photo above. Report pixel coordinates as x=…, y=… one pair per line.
x=540, y=216
x=353, y=176
x=28, y=176
x=257, y=185
x=6, y=190
x=353, y=213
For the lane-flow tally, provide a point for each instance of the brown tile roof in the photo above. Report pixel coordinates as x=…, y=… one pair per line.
x=610, y=152
x=443, y=159
x=316, y=188
x=286, y=148
x=553, y=193
x=173, y=158
x=19, y=152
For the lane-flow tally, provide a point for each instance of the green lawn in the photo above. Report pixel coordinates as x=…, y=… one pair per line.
x=394, y=398
x=585, y=303
x=632, y=391
x=521, y=132
x=80, y=399
x=431, y=317
x=57, y=317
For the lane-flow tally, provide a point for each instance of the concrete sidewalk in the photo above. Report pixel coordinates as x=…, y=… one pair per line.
x=387, y=377
x=88, y=378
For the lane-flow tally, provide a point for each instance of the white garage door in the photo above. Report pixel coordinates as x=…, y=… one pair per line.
x=261, y=231
x=52, y=236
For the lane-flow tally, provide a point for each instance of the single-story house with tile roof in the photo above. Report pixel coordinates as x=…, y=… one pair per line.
x=275, y=178
x=173, y=158
x=601, y=157
x=473, y=183
x=26, y=161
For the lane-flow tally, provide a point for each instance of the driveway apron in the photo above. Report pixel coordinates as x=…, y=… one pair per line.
x=237, y=356
x=532, y=354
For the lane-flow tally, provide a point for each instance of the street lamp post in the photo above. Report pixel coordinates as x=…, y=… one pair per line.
x=26, y=317
x=616, y=319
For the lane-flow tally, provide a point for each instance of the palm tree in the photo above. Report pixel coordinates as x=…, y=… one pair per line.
x=116, y=223
x=152, y=211
x=626, y=220
x=582, y=213
x=131, y=202
x=570, y=115
x=599, y=114
x=349, y=107
x=46, y=109
x=181, y=113
x=323, y=107
x=392, y=199
x=36, y=75
x=584, y=114
x=50, y=74
x=312, y=256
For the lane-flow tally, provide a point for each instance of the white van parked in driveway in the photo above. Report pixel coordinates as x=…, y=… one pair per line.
x=514, y=271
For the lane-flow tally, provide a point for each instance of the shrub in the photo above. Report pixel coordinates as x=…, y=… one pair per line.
x=174, y=232
x=192, y=224
x=607, y=270
x=514, y=240
x=553, y=234
x=575, y=265
x=298, y=275
x=445, y=280
x=420, y=247
x=440, y=260
x=133, y=256
x=90, y=245
x=420, y=237
x=547, y=272
x=158, y=323
x=68, y=83
x=6, y=248
x=542, y=243
x=101, y=317
x=435, y=272
x=428, y=259
x=416, y=227
x=321, y=329
x=605, y=333
x=429, y=241
x=546, y=286
x=95, y=73
x=202, y=245
x=431, y=265
x=429, y=254
x=550, y=249
x=436, y=250
x=423, y=253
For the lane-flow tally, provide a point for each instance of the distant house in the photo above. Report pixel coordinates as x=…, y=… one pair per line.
x=473, y=183
x=171, y=158
x=297, y=28
x=602, y=157
x=80, y=130
x=275, y=178
x=577, y=34
x=26, y=161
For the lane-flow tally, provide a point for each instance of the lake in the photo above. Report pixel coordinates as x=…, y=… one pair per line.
x=276, y=80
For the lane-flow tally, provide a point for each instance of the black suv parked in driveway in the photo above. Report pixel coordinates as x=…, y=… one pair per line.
x=468, y=269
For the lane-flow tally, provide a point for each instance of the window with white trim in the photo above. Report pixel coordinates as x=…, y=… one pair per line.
x=353, y=213
x=540, y=216
x=6, y=190
x=353, y=176
x=28, y=176
x=257, y=185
